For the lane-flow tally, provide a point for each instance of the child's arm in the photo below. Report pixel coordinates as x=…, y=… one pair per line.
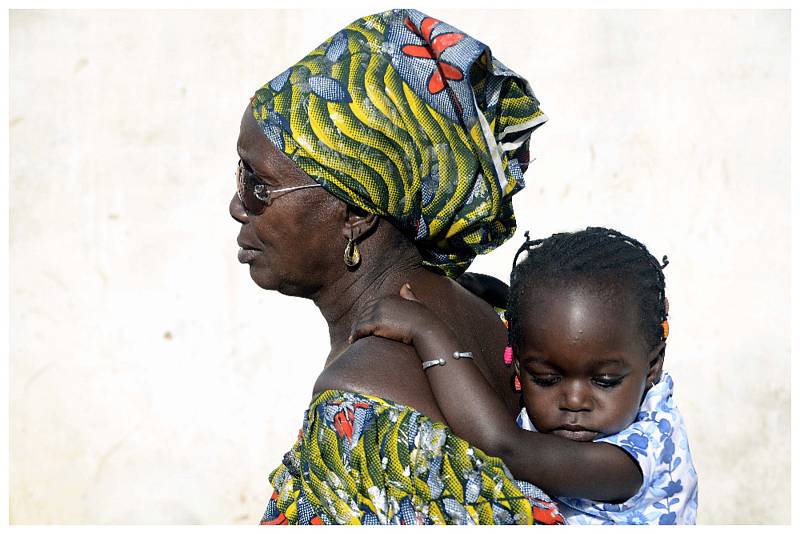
x=559, y=466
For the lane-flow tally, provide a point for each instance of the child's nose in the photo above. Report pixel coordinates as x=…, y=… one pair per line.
x=576, y=397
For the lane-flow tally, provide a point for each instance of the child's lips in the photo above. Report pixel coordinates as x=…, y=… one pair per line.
x=576, y=433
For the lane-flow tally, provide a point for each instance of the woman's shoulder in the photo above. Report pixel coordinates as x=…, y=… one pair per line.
x=382, y=368
x=479, y=327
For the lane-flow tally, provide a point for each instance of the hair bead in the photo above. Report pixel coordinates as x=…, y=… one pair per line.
x=508, y=355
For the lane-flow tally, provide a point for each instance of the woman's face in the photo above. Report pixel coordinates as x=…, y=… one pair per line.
x=290, y=245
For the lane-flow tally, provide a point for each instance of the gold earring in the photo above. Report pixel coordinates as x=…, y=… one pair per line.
x=352, y=256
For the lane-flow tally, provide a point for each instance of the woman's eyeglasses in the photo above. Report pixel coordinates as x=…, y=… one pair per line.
x=255, y=194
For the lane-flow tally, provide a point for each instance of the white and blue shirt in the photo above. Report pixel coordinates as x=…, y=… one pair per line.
x=657, y=440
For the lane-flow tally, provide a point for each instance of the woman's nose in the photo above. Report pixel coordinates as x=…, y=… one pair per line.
x=236, y=209
x=576, y=397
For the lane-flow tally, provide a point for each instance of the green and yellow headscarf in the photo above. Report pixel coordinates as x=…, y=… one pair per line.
x=407, y=117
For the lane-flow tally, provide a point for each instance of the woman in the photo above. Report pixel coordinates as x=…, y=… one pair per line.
x=387, y=155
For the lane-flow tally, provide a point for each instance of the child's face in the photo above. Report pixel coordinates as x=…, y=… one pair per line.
x=582, y=359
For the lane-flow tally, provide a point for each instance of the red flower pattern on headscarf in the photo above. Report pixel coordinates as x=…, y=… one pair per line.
x=432, y=49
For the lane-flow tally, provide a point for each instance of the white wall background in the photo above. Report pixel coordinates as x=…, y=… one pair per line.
x=152, y=382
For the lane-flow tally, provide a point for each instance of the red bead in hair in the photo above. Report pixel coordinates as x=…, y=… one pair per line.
x=508, y=356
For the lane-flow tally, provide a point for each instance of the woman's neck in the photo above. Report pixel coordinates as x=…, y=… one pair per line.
x=341, y=302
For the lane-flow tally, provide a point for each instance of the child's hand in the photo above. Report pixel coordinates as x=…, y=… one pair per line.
x=404, y=319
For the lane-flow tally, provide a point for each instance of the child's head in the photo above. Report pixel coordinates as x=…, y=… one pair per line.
x=587, y=321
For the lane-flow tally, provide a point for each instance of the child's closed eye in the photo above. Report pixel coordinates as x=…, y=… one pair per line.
x=607, y=381
x=545, y=380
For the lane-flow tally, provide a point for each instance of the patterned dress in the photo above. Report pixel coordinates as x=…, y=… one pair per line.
x=362, y=460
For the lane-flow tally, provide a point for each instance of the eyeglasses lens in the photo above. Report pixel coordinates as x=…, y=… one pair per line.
x=245, y=187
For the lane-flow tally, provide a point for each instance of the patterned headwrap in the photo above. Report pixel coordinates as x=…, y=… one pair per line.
x=406, y=117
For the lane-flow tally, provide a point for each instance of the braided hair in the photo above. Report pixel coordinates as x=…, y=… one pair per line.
x=593, y=252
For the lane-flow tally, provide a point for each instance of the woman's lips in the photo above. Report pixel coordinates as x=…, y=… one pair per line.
x=246, y=255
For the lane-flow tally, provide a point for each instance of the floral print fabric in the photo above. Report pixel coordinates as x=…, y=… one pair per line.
x=362, y=460
x=658, y=442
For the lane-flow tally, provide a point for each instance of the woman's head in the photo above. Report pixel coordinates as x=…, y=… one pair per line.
x=275, y=240
x=405, y=117
x=293, y=231
x=587, y=321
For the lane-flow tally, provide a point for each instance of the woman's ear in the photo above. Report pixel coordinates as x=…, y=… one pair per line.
x=656, y=359
x=358, y=223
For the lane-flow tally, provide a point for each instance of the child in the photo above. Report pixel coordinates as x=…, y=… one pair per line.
x=587, y=327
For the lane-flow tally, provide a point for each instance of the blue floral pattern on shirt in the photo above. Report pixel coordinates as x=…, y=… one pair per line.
x=658, y=442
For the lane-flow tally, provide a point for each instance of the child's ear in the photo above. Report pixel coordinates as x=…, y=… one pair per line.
x=656, y=359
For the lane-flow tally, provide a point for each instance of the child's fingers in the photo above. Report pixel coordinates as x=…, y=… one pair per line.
x=359, y=330
x=364, y=325
x=407, y=293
